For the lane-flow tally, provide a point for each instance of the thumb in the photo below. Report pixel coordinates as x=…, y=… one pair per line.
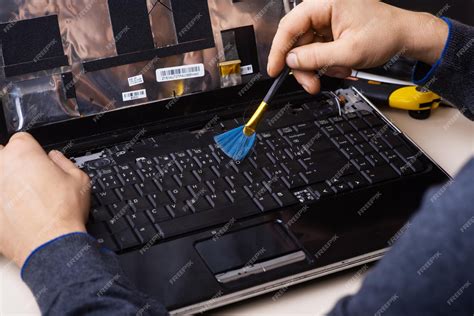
x=320, y=55
x=62, y=162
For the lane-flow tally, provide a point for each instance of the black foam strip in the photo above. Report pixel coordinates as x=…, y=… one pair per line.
x=163, y=52
x=31, y=40
x=131, y=25
x=30, y=67
x=247, y=46
x=69, y=86
x=192, y=20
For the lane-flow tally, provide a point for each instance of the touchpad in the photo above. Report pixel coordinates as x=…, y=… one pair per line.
x=249, y=251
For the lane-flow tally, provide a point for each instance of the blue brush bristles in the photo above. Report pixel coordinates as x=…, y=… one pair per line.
x=235, y=143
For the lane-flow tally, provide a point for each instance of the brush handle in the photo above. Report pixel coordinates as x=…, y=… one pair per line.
x=276, y=85
x=251, y=127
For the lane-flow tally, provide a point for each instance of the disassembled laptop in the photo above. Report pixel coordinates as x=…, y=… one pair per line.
x=87, y=76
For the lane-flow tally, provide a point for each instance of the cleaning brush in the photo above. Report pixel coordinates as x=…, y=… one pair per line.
x=238, y=142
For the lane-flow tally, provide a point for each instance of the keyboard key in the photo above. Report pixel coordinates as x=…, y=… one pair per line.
x=127, y=192
x=368, y=134
x=126, y=239
x=179, y=195
x=340, y=141
x=138, y=219
x=323, y=190
x=212, y=186
x=159, y=199
x=178, y=209
x=204, y=174
x=147, y=187
x=185, y=178
x=236, y=194
x=379, y=144
x=128, y=177
x=255, y=176
x=375, y=159
x=140, y=204
x=406, y=153
x=379, y=174
x=265, y=202
x=120, y=208
x=355, y=138
x=218, y=199
x=107, y=197
x=331, y=131
x=345, y=127
x=292, y=167
x=393, y=138
x=118, y=224
x=147, y=233
x=365, y=148
x=255, y=189
x=284, y=197
x=234, y=181
x=350, y=152
x=359, y=124
x=198, y=204
x=110, y=182
x=293, y=181
x=373, y=121
x=100, y=214
x=159, y=214
x=355, y=181
x=341, y=187
x=361, y=163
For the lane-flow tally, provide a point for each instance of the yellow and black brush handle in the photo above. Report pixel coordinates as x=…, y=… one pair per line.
x=251, y=127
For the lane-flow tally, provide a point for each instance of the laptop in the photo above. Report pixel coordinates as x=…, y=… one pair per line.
x=134, y=95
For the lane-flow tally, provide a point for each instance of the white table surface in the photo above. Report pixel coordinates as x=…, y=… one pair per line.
x=447, y=137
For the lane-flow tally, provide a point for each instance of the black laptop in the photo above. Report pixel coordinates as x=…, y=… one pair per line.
x=135, y=91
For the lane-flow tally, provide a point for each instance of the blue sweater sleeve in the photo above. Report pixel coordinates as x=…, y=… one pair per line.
x=72, y=275
x=429, y=270
x=452, y=76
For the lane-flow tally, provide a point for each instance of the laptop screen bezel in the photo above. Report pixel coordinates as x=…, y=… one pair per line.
x=152, y=113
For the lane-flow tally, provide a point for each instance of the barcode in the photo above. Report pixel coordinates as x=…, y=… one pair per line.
x=134, y=95
x=133, y=81
x=182, y=72
x=246, y=70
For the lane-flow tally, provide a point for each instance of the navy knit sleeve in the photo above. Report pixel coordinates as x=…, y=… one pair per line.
x=73, y=275
x=452, y=76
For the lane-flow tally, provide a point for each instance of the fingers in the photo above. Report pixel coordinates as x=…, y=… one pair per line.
x=339, y=72
x=308, y=80
x=22, y=143
x=320, y=56
x=305, y=17
x=62, y=162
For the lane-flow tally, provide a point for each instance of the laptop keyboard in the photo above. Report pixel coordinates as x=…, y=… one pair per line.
x=143, y=194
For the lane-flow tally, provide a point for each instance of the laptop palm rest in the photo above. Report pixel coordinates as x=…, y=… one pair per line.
x=249, y=251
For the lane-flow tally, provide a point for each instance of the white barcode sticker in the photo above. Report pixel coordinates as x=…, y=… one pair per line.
x=182, y=72
x=133, y=81
x=246, y=70
x=134, y=95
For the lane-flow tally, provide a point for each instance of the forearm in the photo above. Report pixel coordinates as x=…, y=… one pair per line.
x=423, y=36
x=74, y=276
x=430, y=263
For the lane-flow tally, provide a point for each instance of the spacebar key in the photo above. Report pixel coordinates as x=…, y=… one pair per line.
x=193, y=222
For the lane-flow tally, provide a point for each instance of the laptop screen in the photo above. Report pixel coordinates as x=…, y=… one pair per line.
x=69, y=60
